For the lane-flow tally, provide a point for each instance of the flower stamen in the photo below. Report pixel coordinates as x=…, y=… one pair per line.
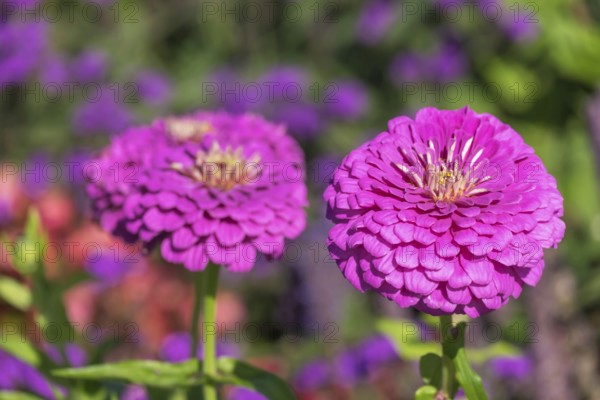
x=222, y=168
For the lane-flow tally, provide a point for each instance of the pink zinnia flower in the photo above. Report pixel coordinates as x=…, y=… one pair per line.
x=207, y=187
x=447, y=213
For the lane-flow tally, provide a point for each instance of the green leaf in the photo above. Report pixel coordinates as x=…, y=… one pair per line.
x=239, y=373
x=467, y=377
x=15, y=293
x=140, y=372
x=426, y=393
x=6, y=395
x=18, y=347
x=430, y=367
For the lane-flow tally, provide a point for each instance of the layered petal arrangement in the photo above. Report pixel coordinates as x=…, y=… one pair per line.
x=206, y=187
x=447, y=213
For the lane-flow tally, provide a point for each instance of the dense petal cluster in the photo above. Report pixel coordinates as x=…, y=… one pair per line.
x=206, y=187
x=447, y=213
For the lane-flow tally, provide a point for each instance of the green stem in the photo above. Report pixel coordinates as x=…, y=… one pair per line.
x=211, y=281
x=449, y=383
x=197, y=278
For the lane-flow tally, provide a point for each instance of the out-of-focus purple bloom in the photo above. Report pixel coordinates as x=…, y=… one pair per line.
x=314, y=375
x=359, y=362
x=177, y=348
x=376, y=351
x=22, y=47
x=240, y=393
x=134, y=392
x=348, y=369
x=153, y=87
x=375, y=20
x=519, y=25
x=90, y=66
x=18, y=375
x=346, y=99
x=445, y=64
x=450, y=62
x=107, y=268
x=302, y=119
x=54, y=73
x=512, y=367
x=224, y=88
x=76, y=356
x=103, y=115
x=285, y=83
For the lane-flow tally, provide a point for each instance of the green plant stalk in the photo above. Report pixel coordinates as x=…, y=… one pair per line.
x=211, y=281
x=449, y=382
x=194, y=331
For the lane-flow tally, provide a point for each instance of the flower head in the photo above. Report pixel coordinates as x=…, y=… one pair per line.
x=208, y=187
x=448, y=213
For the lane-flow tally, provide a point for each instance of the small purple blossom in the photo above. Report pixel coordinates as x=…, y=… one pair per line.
x=302, y=119
x=134, y=392
x=177, y=348
x=313, y=375
x=448, y=62
x=22, y=48
x=54, y=74
x=18, y=375
x=421, y=218
x=240, y=393
x=107, y=269
x=103, y=114
x=346, y=99
x=375, y=20
x=512, y=367
x=75, y=355
x=153, y=87
x=90, y=66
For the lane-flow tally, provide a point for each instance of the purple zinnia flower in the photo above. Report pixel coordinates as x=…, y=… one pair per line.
x=448, y=213
x=212, y=186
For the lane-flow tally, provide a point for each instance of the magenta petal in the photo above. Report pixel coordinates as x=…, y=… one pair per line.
x=229, y=233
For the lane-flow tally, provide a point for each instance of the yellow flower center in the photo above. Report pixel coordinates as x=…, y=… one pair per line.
x=448, y=178
x=222, y=168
